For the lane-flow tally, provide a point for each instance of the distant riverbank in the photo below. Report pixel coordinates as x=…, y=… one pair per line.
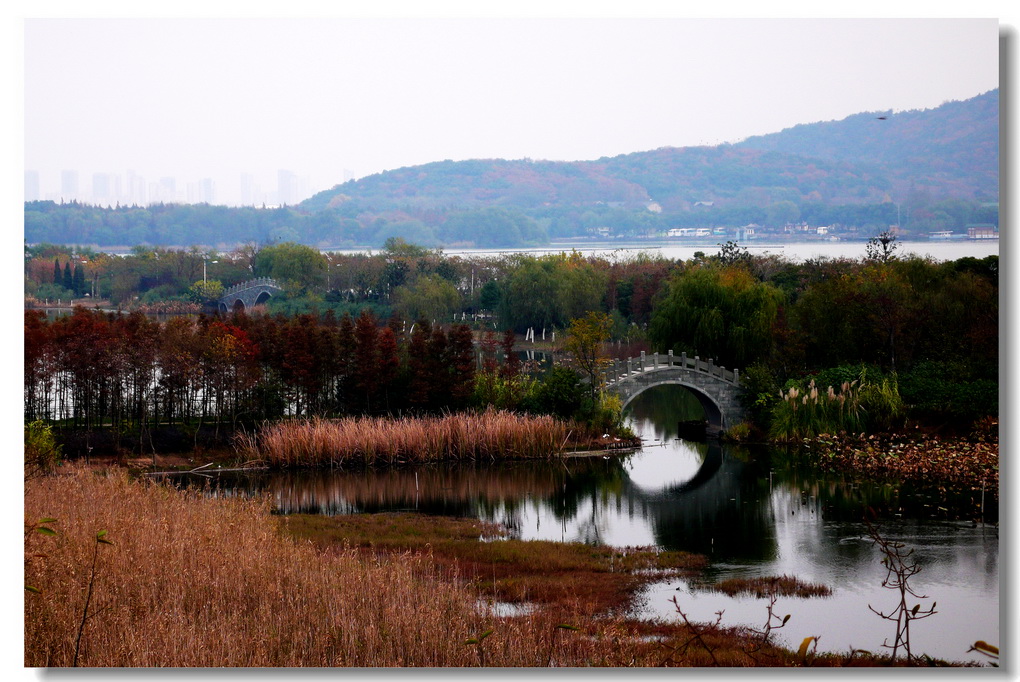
x=677, y=249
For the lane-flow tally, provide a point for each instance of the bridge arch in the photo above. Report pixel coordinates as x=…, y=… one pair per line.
x=245, y=295
x=713, y=413
x=716, y=388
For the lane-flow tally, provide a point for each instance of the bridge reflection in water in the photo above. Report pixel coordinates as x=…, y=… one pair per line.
x=752, y=516
x=674, y=494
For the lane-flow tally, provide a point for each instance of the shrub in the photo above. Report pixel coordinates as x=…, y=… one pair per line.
x=759, y=392
x=941, y=390
x=606, y=415
x=560, y=393
x=42, y=453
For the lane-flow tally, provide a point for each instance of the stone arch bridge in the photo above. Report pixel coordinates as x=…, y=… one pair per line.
x=247, y=294
x=715, y=387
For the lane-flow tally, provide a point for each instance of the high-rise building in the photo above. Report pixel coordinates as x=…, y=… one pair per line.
x=201, y=192
x=69, y=185
x=32, y=186
x=135, y=189
x=164, y=191
x=286, y=187
x=102, y=189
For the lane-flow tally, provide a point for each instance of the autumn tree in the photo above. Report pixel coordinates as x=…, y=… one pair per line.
x=388, y=363
x=461, y=365
x=585, y=341
x=366, y=359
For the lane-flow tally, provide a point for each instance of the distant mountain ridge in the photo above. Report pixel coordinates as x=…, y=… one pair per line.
x=955, y=145
x=924, y=171
x=950, y=152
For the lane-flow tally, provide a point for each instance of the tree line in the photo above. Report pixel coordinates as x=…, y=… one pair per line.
x=932, y=325
x=92, y=369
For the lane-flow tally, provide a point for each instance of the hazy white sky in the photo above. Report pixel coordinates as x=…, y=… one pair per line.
x=196, y=98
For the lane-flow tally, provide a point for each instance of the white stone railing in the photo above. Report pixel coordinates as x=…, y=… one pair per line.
x=251, y=283
x=623, y=369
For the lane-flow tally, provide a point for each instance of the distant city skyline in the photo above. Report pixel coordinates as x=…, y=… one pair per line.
x=211, y=100
x=130, y=188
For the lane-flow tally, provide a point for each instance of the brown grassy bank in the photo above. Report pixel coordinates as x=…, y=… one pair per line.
x=491, y=435
x=783, y=585
x=198, y=581
x=566, y=577
x=194, y=581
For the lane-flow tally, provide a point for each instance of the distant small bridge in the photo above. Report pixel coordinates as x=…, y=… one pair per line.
x=715, y=387
x=247, y=294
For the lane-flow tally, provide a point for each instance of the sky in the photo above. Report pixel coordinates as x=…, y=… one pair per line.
x=332, y=98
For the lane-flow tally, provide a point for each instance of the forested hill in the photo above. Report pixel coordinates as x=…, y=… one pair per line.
x=947, y=152
x=927, y=170
x=953, y=148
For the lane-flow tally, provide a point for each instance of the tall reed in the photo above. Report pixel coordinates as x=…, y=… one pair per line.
x=859, y=405
x=197, y=581
x=491, y=435
x=804, y=413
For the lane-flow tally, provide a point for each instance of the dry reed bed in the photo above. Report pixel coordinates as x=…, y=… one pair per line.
x=491, y=435
x=784, y=585
x=192, y=581
x=195, y=581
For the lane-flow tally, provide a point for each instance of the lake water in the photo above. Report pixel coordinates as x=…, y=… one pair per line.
x=793, y=251
x=753, y=513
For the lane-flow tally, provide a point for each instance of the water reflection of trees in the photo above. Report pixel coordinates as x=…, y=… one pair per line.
x=729, y=510
x=463, y=490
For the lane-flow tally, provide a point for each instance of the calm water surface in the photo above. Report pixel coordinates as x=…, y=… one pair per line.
x=753, y=513
x=793, y=251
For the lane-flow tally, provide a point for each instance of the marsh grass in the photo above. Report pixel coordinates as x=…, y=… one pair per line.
x=859, y=405
x=565, y=576
x=487, y=436
x=195, y=581
x=768, y=586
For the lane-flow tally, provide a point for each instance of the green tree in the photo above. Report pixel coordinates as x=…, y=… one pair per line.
x=295, y=266
x=430, y=297
x=79, y=280
x=530, y=295
x=585, y=341
x=209, y=290
x=716, y=312
x=68, y=278
x=490, y=296
x=781, y=213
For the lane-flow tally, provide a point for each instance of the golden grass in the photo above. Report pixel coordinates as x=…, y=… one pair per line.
x=193, y=581
x=783, y=586
x=491, y=435
x=558, y=575
x=196, y=581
